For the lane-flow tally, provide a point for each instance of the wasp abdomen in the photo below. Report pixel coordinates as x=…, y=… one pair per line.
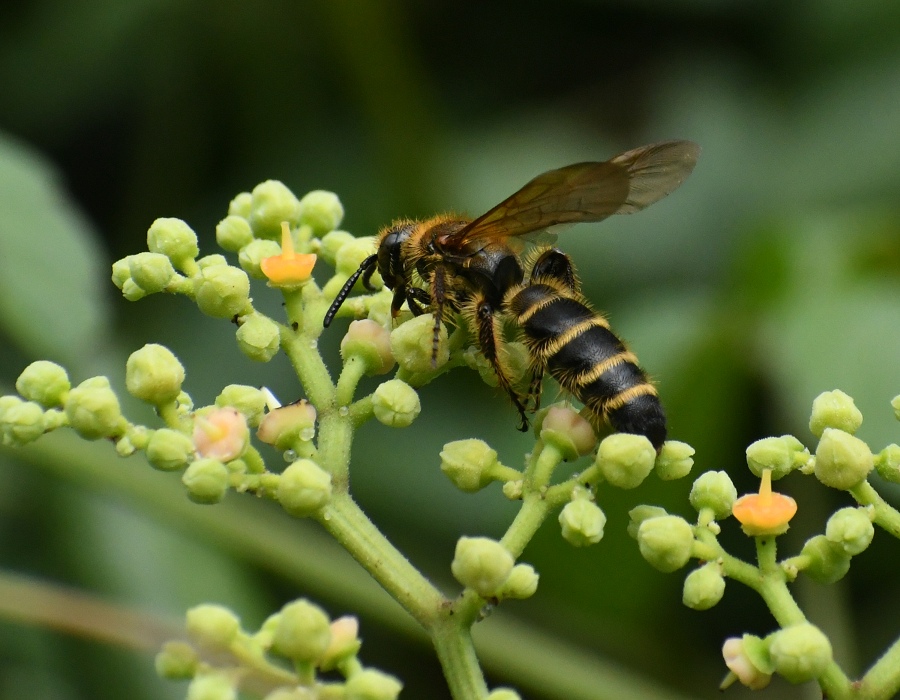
x=575, y=345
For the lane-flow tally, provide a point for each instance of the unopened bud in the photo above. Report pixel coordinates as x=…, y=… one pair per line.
x=395, y=403
x=568, y=432
x=303, y=632
x=522, y=583
x=259, y=337
x=625, y=460
x=851, y=529
x=247, y=399
x=153, y=374
x=285, y=426
x=321, y=210
x=674, y=461
x=152, y=272
x=206, y=480
x=371, y=684
x=233, y=233
x=176, y=661
x=482, y=564
x=304, y=488
x=666, y=542
x=174, y=239
x=703, y=587
x=828, y=562
x=468, y=464
x=834, y=409
x=93, y=409
x=714, y=490
x=371, y=342
x=272, y=202
x=223, y=291
x=800, y=652
x=44, y=382
x=582, y=522
x=412, y=343
x=212, y=626
x=842, y=461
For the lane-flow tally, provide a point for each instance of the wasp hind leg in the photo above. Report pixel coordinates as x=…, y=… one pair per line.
x=489, y=339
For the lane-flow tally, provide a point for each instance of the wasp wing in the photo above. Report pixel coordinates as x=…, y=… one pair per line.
x=586, y=192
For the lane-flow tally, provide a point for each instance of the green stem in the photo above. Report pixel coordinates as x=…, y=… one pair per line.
x=354, y=369
x=882, y=680
x=456, y=653
x=885, y=515
x=347, y=523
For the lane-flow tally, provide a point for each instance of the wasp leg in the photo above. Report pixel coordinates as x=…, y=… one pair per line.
x=489, y=340
x=534, y=389
x=416, y=300
x=437, y=298
x=556, y=265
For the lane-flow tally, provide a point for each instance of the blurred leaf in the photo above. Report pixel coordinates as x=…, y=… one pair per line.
x=51, y=268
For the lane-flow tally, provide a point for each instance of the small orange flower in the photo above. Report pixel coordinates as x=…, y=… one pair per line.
x=289, y=269
x=221, y=433
x=766, y=512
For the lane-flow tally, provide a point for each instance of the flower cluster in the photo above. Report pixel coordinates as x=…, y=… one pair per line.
x=220, y=658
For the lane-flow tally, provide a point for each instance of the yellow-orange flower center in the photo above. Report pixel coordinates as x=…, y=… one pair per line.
x=288, y=269
x=766, y=512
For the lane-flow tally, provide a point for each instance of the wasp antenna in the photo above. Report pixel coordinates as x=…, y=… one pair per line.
x=366, y=266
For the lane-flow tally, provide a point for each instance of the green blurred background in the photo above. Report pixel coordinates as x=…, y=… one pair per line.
x=773, y=274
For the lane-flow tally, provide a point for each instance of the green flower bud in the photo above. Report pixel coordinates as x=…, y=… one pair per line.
x=303, y=632
x=259, y=337
x=240, y=205
x=283, y=427
x=272, y=202
x=372, y=343
x=22, y=423
x=567, y=431
x=370, y=684
x=304, y=488
x=842, y=461
x=482, y=564
x=582, y=522
x=521, y=584
x=44, y=382
x=211, y=686
x=152, y=272
x=213, y=260
x=131, y=291
x=800, y=652
x=321, y=210
x=639, y=514
x=212, y=626
x=396, y=403
x=780, y=454
x=169, y=450
x=504, y=694
x=93, y=409
x=223, y=291
x=206, y=480
x=349, y=256
x=121, y=271
x=703, y=587
x=176, y=661
x=220, y=433
x=828, y=562
x=344, y=644
x=233, y=233
x=332, y=242
x=251, y=256
x=714, y=490
x=851, y=529
x=247, y=399
x=674, y=461
x=666, y=542
x=411, y=343
x=748, y=660
x=468, y=464
x=834, y=409
x=174, y=239
x=887, y=463
x=895, y=404
x=153, y=374
x=625, y=460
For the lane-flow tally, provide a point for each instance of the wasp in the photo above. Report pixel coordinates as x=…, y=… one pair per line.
x=450, y=263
